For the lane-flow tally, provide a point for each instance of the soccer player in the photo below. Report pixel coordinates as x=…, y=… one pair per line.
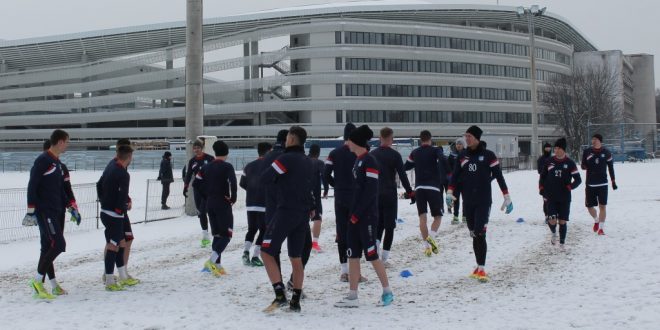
x=364, y=219
x=391, y=164
x=597, y=161
x=216, y=183
x=128, y=230
x=340, y=163
x=291, y=174
x=47, y=200
x=194, y=165
x=269, y=186
x=255, y=204
x=540, y=165
x=459, y=145
x=431, y=171
x=317, y=180
x=114, y=205
x=559, y=176
x=476, y=166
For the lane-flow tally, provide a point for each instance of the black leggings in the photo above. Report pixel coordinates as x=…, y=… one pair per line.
x=480, y=248
x=389, y=237
x=166, y=193
x=457, y=202
x=307, y=248
x=256, y=223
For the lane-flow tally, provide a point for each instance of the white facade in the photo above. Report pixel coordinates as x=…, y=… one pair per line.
x=410, y=66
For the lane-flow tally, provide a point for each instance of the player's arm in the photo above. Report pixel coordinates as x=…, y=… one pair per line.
x=575, y=175
x=410, y=162
x=328, y=169
x=232, y=184
x=610, y=169
x=403, y=177
x=365, y=197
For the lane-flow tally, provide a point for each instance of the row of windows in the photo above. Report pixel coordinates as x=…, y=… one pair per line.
x=377, y=64
x=381, y=116
x=412, y=40
x=434, y=91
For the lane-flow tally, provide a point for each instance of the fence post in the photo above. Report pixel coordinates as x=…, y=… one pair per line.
x=146, y=204
x=98, y=213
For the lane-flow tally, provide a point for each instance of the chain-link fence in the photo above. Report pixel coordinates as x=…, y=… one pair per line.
x=153, y=210
x=628, y=141
x=13, y=207
x=95, y=160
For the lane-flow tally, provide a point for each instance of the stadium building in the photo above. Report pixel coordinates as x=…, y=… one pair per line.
x=406, y=64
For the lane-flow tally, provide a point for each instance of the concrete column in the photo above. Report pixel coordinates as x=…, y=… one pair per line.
x=194, y=80
x=83, y=59
x=250, y=71
x=169, y=65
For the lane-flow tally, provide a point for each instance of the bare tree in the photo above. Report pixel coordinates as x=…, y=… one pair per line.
x=590, y=95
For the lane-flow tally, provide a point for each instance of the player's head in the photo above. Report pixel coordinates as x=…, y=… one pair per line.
x=386, y=136
x=296, y=137
x=314, y=151
x=348, y=128
x=425, y=136
x=560, y=147
x=460, y=144
x=359, y=139
x=473, y=136
x=263, y=148
x=59, y=141
x=125, y=155
x=597, y=141
x=198, y=147
x=220, y=148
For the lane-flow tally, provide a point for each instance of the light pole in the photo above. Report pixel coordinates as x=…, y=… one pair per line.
x=531, y=12
x=194, y=80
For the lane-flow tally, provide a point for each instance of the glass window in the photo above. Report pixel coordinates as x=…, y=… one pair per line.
x=338, y=89
x=338, y=63
x=337, y=37
x=339, y=115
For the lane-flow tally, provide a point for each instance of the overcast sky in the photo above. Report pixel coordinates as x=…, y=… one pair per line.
x=632, y=26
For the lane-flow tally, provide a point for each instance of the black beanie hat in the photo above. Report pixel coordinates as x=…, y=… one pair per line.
x=561, y=143
x=547, y=145
x=361, y=136
x=599, y=137
x=167, y=154
x=475, y=131
x=263, y=148
x=220, y=148
x=347, y=130
x=281, y=135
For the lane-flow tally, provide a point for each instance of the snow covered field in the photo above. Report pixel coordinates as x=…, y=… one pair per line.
x=610, y=282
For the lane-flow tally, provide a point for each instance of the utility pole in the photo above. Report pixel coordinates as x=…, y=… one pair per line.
x=532, y=12
x=194, y=88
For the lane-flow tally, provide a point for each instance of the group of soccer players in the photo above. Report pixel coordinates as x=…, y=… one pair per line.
x=283, y=194
x=559, y=175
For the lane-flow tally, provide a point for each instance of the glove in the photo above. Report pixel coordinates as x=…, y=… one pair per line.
x=30, y=220
x=185, y=192
x=325, y=195
x=541, y=190
x=614, y=186
x=75, y=215
x=507, y=205
x=354, y=219
x=450, y=199
x=411, y=196
x=568, y=187
x=231, y=201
